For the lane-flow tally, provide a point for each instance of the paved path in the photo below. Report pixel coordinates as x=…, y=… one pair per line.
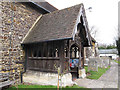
x=107, y=80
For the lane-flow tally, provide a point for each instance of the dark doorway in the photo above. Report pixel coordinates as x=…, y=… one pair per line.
x=74, y=60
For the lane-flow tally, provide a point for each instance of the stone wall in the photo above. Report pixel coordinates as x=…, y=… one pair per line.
x=17, y=19
x=45, y=78
x=0, y=36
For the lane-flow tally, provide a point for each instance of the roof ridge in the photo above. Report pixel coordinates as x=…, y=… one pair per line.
x=63, y=9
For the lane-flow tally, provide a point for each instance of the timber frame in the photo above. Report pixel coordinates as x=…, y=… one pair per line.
x=47, y=56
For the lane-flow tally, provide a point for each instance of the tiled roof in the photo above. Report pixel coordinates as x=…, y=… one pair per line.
x=55, y=25
x=47, y=6
x=44, y=5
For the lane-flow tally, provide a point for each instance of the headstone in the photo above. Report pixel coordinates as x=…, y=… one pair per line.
x=106, y=61
x=100, y=62
x=92, y=64
x=86, y=61
x=82, y=73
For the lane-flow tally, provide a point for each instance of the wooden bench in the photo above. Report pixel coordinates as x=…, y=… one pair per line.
x=4, y=80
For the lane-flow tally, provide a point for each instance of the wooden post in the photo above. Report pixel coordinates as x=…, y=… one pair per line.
x=62, y=56
x=26, y=59
x=84, y=58
x=69, y=54
x=79, y=66
x=58, y=78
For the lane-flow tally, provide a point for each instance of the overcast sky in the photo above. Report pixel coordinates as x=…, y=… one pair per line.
x=104, y=16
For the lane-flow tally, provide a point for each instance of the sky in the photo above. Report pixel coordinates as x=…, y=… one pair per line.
x=103, y=17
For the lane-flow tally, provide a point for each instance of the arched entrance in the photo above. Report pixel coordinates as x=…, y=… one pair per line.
x=74, y=60
x=77, y=49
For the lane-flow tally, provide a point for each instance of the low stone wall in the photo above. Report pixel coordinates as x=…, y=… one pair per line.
x=44, y=78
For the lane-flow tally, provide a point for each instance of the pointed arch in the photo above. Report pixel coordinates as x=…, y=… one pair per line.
x=74, y=51
x=82, y=32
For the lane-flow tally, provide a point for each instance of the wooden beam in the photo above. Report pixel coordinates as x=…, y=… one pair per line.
x=79, y=63
x=44, y=70
x=26, y=58
x=44, y=58
x=62, y=56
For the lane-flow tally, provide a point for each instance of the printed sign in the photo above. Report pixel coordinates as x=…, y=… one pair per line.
x=74, y=63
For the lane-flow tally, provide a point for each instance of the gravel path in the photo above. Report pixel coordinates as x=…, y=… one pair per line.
x=107, y=80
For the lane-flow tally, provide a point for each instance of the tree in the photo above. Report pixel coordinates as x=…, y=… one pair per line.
x=104, y=46
x=118, y=41
x=93, y=31
x=118, y=46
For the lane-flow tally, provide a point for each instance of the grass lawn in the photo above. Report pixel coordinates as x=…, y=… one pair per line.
x=117, y=61
x=96, y=75
x=44, y=87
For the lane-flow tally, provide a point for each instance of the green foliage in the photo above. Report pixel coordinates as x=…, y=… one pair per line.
x=107, y=47
x=45, y=86
x=76, y=86
x=96, y=75
x=110, y=47
x=117, y=61
x=118, y=46
x=34, y=86
x=101, y=47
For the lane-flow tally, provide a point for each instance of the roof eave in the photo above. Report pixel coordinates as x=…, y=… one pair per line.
x=46, y=41
x=39, y=6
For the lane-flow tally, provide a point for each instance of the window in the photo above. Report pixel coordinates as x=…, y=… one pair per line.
x=77, y=52
x=35, y=54
x=65, y=52
x=56, y=53
x=39, y=53
x=46, y=50
x=31, y=53
x=50, y=53
x=74, y=51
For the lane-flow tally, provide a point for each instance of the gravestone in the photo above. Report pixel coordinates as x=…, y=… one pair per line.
x=100, y=62
x=106, y=61
x=86, y=61
x=82, y=73
x=95, y=62
x=92, y=64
